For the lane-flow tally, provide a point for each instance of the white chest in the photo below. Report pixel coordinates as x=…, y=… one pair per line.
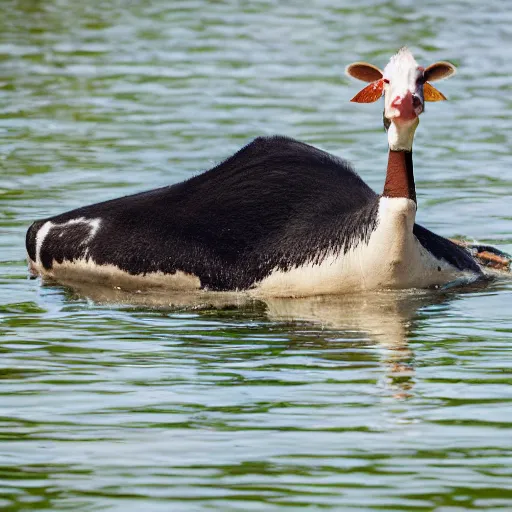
x=392, y=258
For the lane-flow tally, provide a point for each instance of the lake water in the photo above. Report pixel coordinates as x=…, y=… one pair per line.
x=394, y=401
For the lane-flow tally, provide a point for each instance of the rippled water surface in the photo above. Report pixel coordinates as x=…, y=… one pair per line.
x=395, y=401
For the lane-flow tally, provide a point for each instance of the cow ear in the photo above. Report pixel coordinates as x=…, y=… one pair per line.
x=439, y=70
x=364, y=71
x=370, y=93
x=430, y=93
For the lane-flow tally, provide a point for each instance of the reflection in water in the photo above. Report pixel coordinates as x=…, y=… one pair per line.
x=283, y=404
x=386, y=317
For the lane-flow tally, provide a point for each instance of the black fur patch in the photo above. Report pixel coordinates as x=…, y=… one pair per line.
x=65, y=243
x=276, y=203
x=30, y=239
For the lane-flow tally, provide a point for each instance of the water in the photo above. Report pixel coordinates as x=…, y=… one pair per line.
x=395, y=401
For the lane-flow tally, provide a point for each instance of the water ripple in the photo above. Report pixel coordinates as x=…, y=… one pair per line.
x=397, y=401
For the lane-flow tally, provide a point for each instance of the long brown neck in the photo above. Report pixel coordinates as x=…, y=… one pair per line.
x=400, y=176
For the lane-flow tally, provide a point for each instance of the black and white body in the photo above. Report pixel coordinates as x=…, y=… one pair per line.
x=278, y=218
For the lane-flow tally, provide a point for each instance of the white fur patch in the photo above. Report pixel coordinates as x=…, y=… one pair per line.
x=392, y=258
x=401, y=137
x=402, y=69
x=86, y=270
x=41, y=235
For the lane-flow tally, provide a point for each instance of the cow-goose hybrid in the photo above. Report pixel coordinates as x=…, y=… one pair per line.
x=278, y=218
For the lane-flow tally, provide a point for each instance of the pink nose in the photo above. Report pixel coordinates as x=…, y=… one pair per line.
x=404, y=105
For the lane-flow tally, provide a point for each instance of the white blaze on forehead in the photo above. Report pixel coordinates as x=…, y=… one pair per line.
x=402, y=70
x=402, y=74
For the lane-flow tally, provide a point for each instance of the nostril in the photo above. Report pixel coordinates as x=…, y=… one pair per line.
x=416, y=101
